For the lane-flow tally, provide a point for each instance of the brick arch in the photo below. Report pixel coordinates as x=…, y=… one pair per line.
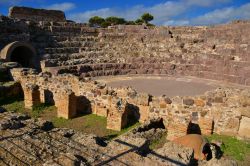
x=21, y=52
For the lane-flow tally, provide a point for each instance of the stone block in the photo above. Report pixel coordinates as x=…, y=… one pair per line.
x=199, y=103
x=176, y=128
x=31, y=96
x=231, y=127
x=206, y=126
x=188, y=102
x=244, y=130
x=65, y=102
x=99, y=110
x=144, y=113
x=117, y=118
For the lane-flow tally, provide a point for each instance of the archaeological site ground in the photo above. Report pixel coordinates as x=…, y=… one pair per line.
x=74, y=94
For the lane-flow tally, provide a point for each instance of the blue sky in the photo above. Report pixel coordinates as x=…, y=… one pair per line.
x=166, y=12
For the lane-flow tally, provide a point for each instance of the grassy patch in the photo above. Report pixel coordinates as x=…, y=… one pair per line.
x=18, y=106
x=232, y=147
x=15, y=106
x=90, y=124
x=59, y=122
x=87, y=123
x=158, y=143
x=40, y=109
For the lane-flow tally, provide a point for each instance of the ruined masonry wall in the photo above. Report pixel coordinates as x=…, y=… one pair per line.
x=36, y=14
x=222, y=111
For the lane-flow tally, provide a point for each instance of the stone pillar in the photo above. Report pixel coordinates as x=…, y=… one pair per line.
x=206, y=125
x=31, y=95
x=42, y=96
x=117, y=118
x=144, y=113
x=177, y=127
x=65, y=101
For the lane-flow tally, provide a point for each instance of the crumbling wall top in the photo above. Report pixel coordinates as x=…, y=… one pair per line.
x=36, y=14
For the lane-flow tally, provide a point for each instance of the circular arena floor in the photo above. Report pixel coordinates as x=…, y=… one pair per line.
x=158, y=86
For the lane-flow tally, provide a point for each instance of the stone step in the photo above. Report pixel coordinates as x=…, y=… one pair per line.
x=67, y=28
x=62, y=38
x=62, y=50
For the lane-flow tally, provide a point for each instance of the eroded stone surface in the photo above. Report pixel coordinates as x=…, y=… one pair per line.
x=244, y=130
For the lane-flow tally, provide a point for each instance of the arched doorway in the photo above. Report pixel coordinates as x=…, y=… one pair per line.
x=20, y=52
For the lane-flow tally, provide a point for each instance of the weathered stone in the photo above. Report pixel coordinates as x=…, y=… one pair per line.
x=194, y=141
x=200, y=103
x=189, y=102
x=65, y=102
x=245, y=111
x=36, y=14
x=31, y=96
x=11, y=124
x=44, y=125
x=180, y=155
x=244, y=130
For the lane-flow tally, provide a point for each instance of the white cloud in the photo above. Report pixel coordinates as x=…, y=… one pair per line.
x=161, y=12
x=176, y=22
x=206, y=3
x=66, y=6
x=164, y=13
x=11, y=2
x=223, y=15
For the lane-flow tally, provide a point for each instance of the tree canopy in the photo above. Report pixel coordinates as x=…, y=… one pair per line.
x=115, y=20
x=147, y=17
x=96, y=21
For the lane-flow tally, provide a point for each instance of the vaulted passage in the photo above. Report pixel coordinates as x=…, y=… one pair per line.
x=20, y=52
x=23, y=55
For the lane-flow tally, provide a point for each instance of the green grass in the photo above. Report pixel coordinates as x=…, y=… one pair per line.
x=91, y=124
x=158, y=143
x=16, y=106
x=40, y=109
x=232, y=147
x=86, y=123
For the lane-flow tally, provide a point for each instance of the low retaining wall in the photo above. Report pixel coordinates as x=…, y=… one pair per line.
x=222, y=111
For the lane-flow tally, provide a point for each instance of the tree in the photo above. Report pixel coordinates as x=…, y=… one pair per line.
x=146, y=17
x=130, y=23
x=96, y=21
x=139, y=21
x=105, y=24
x=115, y=20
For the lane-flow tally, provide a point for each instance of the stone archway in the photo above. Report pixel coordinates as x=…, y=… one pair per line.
x=21, y=52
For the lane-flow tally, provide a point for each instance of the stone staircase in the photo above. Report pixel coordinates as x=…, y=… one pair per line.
x=218, y=52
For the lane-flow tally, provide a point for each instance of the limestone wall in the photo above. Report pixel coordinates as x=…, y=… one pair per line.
x=36, y=14
x=222, y=111
x=219, y=52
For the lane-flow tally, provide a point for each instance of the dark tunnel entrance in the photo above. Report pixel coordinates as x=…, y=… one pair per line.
x=23, y=55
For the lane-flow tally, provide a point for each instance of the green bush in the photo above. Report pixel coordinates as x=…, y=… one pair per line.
x=146, y=17
x=96, y=21
x=115, y=20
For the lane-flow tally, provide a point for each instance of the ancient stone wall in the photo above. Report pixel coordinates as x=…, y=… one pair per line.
x=221, y=111
x=218, y=52
x=32, y=14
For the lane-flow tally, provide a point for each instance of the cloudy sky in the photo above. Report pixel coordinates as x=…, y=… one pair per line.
x=166, y=12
